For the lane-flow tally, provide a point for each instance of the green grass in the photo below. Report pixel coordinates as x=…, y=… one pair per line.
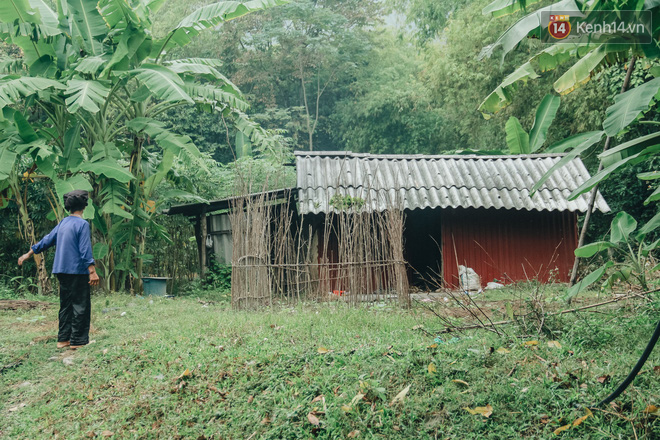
x=256, y=375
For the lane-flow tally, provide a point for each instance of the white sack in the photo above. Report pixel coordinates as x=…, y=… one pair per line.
x=469, y=280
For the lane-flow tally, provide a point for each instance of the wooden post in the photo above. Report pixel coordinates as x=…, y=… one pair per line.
x=203, y=232
x=198, y=239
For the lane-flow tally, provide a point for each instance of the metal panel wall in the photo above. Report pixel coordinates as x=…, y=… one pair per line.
x=220, y=231
x=508, y=245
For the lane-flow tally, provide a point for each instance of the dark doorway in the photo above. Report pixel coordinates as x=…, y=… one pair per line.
x=422, y=248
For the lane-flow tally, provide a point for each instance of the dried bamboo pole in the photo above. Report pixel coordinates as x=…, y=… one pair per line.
x=356, y=248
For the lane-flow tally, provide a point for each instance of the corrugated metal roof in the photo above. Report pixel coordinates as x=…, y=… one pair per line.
x=418, y=181
x=193, y=209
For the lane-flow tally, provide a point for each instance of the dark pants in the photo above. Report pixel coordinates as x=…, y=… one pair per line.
x=75, y=309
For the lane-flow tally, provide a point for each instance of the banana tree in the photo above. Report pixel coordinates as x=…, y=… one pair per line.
x=592, y=56
x=628, y=107
x=593, y=53
x=521, y=142
x=90, y=86
x=18, y=150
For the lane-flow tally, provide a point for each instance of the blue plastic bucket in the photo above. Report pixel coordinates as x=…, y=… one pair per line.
x=156, y=286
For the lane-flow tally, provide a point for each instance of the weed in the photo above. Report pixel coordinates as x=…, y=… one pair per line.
x=17, y=287
x=218, y=277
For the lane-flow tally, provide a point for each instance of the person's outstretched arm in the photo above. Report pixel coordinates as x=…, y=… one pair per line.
x=46, y=242
x=24, y=257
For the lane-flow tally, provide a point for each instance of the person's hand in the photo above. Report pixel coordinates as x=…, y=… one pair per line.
x=22, y=258
x=93, y=279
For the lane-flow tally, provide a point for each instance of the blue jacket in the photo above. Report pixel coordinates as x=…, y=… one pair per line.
x=73, y=252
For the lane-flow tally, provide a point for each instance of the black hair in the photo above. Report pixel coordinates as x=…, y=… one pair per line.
x=75, y=200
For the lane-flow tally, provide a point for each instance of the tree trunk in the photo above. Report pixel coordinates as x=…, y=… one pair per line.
x=43, y=281
x=126, y=278
x=138, y=203
x=110, y=274
x=308, y=119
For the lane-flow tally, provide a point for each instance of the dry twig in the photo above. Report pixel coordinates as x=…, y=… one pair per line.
x=562, y=312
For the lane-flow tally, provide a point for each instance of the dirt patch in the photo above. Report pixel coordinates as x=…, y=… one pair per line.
x=23, y=304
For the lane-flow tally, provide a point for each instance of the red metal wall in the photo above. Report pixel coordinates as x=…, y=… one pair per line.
x=508, y=245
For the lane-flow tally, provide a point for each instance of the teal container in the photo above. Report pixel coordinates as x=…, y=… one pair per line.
x=156, y=286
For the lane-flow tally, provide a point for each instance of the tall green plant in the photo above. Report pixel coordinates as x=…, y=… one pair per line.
x=633, y=253
x=83, y=106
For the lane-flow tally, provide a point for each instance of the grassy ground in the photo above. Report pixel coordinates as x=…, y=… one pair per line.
x=181, y=368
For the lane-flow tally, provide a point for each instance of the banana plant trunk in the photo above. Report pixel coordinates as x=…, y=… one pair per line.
x=43, y=281
x=136, y=237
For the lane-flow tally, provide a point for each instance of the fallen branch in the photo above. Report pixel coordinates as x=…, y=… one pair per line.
x=563, y=312
x=515, y=366
x=17, y=363
x=437, y=315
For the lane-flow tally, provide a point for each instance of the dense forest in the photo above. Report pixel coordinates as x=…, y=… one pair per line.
x=396, y=76
x=377, y=76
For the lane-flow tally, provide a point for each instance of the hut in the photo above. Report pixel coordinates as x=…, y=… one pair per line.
x=457, y=210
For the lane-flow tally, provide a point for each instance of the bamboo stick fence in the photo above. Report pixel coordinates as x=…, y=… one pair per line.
x=352, y=253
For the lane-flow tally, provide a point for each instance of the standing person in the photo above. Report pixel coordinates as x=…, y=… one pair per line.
x=75, y=270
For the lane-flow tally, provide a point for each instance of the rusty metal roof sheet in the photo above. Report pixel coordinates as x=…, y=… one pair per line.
x=419, y=181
